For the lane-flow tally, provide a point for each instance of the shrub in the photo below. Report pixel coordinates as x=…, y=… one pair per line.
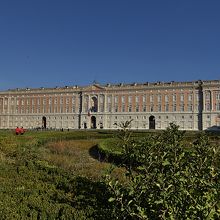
x=168, y=180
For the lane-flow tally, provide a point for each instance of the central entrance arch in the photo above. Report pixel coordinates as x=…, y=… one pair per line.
x=93, y=122
x=44, y=122
x=151, y=122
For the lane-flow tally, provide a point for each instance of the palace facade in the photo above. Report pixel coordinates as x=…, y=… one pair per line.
x=191, y=105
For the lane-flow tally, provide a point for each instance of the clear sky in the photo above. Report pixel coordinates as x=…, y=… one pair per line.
x=48, y=43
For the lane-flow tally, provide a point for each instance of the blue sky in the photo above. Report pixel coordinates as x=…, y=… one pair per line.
x=74, y=42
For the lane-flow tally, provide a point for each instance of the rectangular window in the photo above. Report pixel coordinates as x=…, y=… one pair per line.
x=61, y=100
x=166, y=98
x=159, y=97
x=159, y=108
x=208, y=107
x=182, y=97
x=174, y=107
x=123, y=99
x=218, y=106
x=190, y=96
x=182, y=107
x=151, y=108
x=207, y=95
x=190, y=107
x=67, y=101
x=151, y=98
x=167, y=107
x=73, y=99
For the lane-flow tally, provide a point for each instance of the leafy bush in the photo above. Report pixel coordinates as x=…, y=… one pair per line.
x=167, y=179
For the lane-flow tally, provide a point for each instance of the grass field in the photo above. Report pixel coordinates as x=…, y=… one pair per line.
x=56, y=175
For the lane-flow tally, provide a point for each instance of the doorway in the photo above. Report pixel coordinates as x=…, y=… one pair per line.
x=93, y=122
x=44, y=122
x=151, y=122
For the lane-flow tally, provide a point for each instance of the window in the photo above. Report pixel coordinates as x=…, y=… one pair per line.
x=174, y=97
x=123, y=99
x=208, y=107
x=218, y=95
x=159, y=98
x=67, y=101
x=190, y=107
x=207, y=95
x=190, y=97
x=109, y=107
x=174, y=107
x=218, y=106
x=182, y=107
x=166, y=98
x=61, y=100
x=167, y=107
x=73, y=99
x=182, y=97
x=159, y=108
x=151, y=98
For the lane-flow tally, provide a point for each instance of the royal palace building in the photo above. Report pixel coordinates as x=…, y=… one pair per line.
x=191, y=105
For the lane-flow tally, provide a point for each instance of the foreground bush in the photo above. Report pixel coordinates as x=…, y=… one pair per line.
x=167, y=179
